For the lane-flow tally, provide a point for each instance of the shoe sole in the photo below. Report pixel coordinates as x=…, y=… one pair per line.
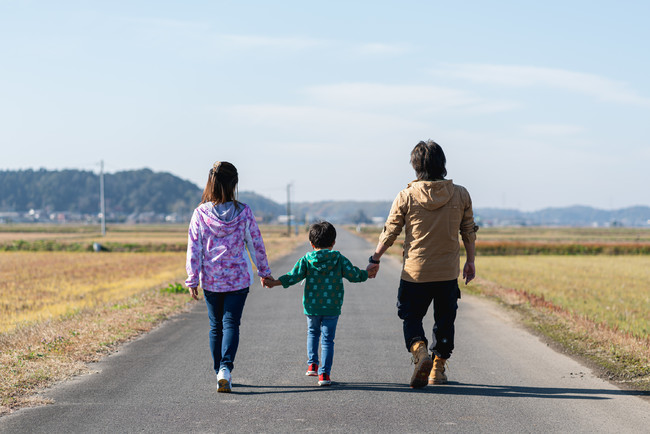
x=420, y=377
x=224, y=386
x=312, y=374
x=324, y=383
x=433, y=381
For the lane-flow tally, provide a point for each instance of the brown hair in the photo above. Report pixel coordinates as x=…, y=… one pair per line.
x=222, y=184
x=428, y=160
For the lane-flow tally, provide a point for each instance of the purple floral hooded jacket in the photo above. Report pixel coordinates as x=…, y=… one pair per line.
x=216, y=248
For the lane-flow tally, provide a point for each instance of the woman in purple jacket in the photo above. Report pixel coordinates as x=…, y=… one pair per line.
x=221, y=231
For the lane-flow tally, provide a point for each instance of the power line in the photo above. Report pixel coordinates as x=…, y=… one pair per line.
x=289, y=209
x=101, y=197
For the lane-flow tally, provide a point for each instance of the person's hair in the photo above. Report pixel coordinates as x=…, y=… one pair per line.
x=322, y=235
x=428, y=160
x=222, y=184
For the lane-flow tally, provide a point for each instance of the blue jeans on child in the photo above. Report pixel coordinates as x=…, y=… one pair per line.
x=323, y=328
x=224, y=310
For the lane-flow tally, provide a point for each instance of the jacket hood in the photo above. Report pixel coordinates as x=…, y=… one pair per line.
x=223, y=219
x=323, y=260
x=432, y=194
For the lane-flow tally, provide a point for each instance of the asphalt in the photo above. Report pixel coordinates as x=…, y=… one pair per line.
x=502, y=378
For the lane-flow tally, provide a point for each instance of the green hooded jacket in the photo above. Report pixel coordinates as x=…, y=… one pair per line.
x=323, y=271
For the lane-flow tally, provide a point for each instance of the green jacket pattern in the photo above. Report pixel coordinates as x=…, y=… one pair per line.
x=323, y=271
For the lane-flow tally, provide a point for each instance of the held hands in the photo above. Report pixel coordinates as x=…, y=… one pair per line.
x=270, y=282
x=372, y=270
x=469, y=272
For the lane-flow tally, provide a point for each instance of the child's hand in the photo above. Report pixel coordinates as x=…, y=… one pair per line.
x=372, y=270
x=270, y=282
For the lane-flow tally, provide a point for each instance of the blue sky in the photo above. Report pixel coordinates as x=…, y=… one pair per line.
x=536, y=104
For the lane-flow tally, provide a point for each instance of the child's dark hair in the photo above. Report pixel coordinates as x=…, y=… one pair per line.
x=322, y=235
x=222, y=184
x=428, y=160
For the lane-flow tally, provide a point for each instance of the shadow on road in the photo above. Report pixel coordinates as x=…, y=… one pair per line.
x=451, y=388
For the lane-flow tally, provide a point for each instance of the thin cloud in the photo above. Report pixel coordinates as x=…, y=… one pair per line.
x=197, y=30
x=167, y=23
x=315, y=120
x=553, y=129
x=254, y=41
x=529, y=76
x=382, y=49
x=372, y=95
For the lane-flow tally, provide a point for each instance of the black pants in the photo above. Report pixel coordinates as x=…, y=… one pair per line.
x=413, y=300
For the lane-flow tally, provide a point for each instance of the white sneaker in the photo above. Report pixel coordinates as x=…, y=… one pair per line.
x=224, y=380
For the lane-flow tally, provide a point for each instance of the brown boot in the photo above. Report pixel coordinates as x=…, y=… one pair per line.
x=423, y=364
x=437, y=374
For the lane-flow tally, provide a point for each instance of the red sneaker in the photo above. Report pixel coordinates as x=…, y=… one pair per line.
x=312, y=370
x=324, y=380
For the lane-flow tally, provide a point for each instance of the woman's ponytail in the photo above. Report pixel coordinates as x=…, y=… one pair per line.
x=222, y=184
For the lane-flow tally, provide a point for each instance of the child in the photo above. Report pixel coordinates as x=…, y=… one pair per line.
x=220, y=231
x=323, y=271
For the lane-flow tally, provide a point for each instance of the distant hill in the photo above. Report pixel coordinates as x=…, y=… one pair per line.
x=638, y=216
x=354, y=212
x=342, y=211
x=160, y=194
x=126, y=193
x=262, y=207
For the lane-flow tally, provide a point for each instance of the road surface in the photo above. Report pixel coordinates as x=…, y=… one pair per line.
x=502, y=378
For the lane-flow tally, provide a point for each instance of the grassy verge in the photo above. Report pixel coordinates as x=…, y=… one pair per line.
x=616, y=356
x=36, y=356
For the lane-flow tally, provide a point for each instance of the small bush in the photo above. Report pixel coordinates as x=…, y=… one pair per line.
x=175, y=288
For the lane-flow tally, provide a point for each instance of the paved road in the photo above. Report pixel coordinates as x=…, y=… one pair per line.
x=502, y=378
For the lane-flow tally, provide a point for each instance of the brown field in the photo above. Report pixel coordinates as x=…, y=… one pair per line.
x=140, y=234
x=566, y=235
x=38, y=286
x=41, y=285
x=611, y=290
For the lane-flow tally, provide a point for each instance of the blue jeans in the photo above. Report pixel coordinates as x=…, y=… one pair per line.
x=324, y=328
x=413, y=301
x=224, y=311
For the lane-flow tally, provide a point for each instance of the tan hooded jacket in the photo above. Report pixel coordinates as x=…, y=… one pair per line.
x=432, y=213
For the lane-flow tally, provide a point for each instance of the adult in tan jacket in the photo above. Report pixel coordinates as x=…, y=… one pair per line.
x=432, y=211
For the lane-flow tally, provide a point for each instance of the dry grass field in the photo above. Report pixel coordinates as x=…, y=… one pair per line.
x=566, y=235
x=41, y=285
x=60, y=309
x=612, y=290
x=38, y=286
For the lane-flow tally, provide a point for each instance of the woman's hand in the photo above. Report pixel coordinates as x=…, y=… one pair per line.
x=270, y=282
x=194, y=292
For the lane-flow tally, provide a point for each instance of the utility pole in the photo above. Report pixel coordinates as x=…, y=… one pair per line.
x=101, y=197
x=289, y=209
